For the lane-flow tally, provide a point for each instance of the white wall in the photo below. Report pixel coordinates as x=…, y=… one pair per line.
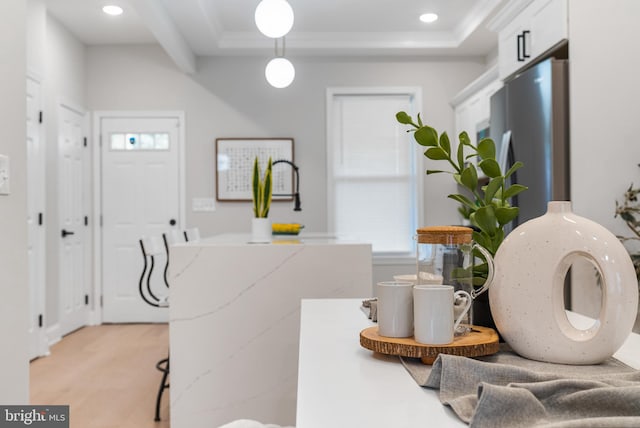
x=14, y=367
x=229, y=97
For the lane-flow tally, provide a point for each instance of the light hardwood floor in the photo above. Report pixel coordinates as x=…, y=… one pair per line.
x=106, y=374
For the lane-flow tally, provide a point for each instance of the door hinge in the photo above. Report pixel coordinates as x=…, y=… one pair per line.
x=40, y=117
x=40, y=219
x=86, y=299
x=40, y=320
x=85, y=141
x=100, y=220
x=101, y=301
x=86, y=220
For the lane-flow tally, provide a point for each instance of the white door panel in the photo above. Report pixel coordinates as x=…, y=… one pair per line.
x=74, y=288
x=140, y=197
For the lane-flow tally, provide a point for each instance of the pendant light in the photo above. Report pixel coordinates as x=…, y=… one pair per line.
x=274, y=18
x=279, y=72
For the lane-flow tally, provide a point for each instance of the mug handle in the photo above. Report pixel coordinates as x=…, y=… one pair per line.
x=467, y=306
x=475, y=293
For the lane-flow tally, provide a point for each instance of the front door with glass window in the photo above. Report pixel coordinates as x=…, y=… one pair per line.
x=140, y=197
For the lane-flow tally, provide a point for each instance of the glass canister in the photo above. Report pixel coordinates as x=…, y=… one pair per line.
x=445, y=255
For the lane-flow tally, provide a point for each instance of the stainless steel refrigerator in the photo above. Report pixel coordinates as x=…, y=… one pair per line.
x=530, y=119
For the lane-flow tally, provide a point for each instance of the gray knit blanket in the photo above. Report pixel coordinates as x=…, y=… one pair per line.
x=506, y=390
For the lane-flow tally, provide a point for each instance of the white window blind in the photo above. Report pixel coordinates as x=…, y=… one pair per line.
x=372, y=171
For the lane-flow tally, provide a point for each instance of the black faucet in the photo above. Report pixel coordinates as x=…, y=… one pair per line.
x=296, y=193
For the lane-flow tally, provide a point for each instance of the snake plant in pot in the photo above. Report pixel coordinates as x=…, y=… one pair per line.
x=487, y=207
x=262, y=189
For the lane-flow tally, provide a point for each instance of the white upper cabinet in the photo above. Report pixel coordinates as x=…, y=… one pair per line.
x=472, y=105
x=527, y=29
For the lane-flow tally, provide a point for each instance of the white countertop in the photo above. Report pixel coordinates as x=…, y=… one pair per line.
x=304, y=238
x=341, y=384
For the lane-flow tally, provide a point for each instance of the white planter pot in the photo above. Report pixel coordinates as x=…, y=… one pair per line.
x=526, y=296
x=260, y=230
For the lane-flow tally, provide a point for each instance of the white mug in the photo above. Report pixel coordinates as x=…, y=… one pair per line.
x=434, y=321
x=395, y=308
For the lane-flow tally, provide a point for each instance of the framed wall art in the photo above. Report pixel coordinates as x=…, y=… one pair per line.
x=234, y=166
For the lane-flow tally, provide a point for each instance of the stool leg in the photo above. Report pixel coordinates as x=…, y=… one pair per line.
x=163, y=385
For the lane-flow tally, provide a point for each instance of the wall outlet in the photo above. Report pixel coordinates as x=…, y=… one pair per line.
x=4, y=175
x=203, y=204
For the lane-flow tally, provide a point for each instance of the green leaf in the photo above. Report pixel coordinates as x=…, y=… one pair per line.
x=490, y=167
x=481, y=238
x=491, y=188
x=485, y=219
x=426, y=136
x=505, y=215
x=516, y=166
x=496, y=240
x=445, y=143
x=404, y=118
x=436, y=153
x=513, y=190
x=420, y=124
x=255, y=186
x=464, y=138
x=487, y=149
x=457, y=179
x=460, y=155
x=469, y=177
x=463, y=200
x=434, y=171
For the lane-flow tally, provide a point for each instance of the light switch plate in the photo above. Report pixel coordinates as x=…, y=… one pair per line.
x=4, y=175
x=203, y=204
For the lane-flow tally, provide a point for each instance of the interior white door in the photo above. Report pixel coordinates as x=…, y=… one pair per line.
x=35, y=221
x=72, y=159
x=140, y=197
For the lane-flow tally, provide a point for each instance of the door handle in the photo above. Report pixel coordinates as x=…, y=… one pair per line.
x=172, y=222
x=520, y=43
x=67, y=232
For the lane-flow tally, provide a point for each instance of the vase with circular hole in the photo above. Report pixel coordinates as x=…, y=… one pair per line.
x=527, y=295
x=260, y=230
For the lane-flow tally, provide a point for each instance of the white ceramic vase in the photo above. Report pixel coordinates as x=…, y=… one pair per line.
x=260, y=230
x=527, y=300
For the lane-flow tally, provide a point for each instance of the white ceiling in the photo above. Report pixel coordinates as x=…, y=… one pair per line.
x=190, y=28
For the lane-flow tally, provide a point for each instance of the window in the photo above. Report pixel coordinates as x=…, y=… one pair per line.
x=373, y=188
x=142, y=141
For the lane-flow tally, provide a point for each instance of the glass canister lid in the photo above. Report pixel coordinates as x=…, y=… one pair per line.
x=444, y=235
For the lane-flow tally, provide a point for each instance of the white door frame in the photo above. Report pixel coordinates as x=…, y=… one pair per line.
x=97, y=186
x=42, y=346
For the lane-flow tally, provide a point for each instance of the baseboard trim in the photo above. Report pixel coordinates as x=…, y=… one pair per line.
x=54, y=334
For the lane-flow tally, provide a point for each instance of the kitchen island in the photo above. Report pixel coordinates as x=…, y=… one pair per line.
x=235, y=320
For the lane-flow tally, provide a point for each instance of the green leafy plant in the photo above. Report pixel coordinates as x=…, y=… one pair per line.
x=629, y=212
x=262, y=190
x=487, y=207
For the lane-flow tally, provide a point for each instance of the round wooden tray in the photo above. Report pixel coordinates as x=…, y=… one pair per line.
x=480, y=341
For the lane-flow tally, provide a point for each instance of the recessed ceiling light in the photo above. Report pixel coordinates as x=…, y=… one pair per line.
x=112, y=10
x=428, y=17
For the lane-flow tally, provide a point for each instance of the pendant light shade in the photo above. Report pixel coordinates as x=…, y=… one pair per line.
x=279, y=72
x=274, y=18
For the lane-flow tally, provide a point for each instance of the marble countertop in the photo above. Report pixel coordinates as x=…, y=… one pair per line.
x=341, y=384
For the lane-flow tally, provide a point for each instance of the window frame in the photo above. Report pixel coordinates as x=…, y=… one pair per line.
x=415, y=95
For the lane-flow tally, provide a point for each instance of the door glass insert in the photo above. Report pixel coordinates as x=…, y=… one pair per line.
x=139, y=141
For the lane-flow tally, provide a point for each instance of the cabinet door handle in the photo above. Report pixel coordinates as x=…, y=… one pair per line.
x=519, y=43
x=524, y=44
